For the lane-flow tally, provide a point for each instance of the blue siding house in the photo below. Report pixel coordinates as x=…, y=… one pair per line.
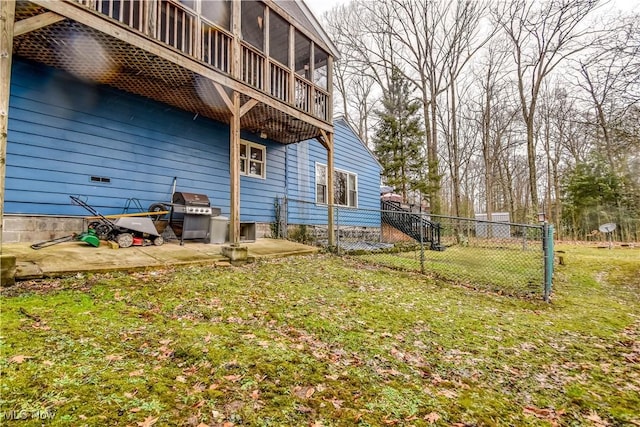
x=109, y=147
x=67, y=137
x=126, y=103
x=356, y=181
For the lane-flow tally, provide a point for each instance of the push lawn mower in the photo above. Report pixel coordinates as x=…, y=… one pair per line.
x=125, y=231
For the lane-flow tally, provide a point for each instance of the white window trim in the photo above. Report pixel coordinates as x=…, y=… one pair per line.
x=247, y=170
x=326, y=196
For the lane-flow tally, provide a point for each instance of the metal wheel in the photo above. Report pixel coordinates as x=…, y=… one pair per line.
x=124, y=240
x=102, y=230
x=158, y=241
x=157, y=207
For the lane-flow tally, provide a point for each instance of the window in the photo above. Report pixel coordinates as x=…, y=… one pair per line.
x=321, y=184
x=345, y=187
x=253, y=159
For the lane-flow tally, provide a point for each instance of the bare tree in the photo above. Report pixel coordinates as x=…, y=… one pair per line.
x=491, y=113
x=610, y=76
x=543, y=36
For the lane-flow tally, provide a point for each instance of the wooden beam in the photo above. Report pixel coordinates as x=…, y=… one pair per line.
x=330, y=87
x=236, y=30
x=247, y=106
x=292, y=64
x=267, y=50
x=224, y=96
x=234, y=171
x=27, y=25
x=7, y=18
x=330, y=193
x=323, y=139
x=79, y=13
x=243, y=110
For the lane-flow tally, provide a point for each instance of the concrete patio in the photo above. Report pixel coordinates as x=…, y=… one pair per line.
x=73, y=257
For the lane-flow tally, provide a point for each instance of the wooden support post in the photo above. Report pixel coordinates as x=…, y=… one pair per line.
x=151, y=27
x=330, y=196
x=234, y=169
x=326, y=139
x=236, y=30
x=329, y=116
x=292, y=65
x=7, y=18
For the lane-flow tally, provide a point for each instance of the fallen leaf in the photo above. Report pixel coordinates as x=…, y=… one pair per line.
x=138, y=373
x=203, y=425
x=134, y=410
x=19, y=358
x=337, y=403
x=232, y=378
x=148, y=422
x=47, y=363
x=181, y=379
x=593, y=416
x=432, y=418
x=303, y=392
x=303, y=409
x=113, y=357
x=538, y=412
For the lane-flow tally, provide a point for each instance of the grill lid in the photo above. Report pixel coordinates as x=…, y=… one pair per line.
x=191, y=199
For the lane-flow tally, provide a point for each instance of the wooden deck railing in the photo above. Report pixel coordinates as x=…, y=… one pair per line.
x=216, y=47
x=279, y=81
x=130, y=12
x=179, y=27
x=253, y=66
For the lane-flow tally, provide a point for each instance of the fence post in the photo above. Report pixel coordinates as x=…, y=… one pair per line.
x=547, y=247
x=336, y=214
x=421, y=244
x=285, y=218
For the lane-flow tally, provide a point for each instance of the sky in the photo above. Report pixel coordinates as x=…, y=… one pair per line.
x=320, y=6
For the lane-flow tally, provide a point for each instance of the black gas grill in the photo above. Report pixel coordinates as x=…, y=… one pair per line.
x=190, y=215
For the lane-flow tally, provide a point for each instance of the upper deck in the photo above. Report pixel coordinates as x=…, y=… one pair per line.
x=185, y=53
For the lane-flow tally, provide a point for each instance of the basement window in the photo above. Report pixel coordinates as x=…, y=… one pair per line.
x=100, y=179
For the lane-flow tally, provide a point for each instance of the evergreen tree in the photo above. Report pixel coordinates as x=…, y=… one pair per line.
x=593, y=194
x=399, y=136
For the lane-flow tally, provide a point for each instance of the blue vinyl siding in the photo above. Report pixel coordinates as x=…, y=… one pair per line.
x=63, y=131
x=350, y=155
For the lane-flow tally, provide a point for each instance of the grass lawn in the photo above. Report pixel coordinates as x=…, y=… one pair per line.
x=322, y=341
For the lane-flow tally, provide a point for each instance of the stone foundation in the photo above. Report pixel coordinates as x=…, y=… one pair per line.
x=38, y=228
x=318, y=234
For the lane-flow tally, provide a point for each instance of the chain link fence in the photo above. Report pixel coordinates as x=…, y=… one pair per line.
x=508, y=258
